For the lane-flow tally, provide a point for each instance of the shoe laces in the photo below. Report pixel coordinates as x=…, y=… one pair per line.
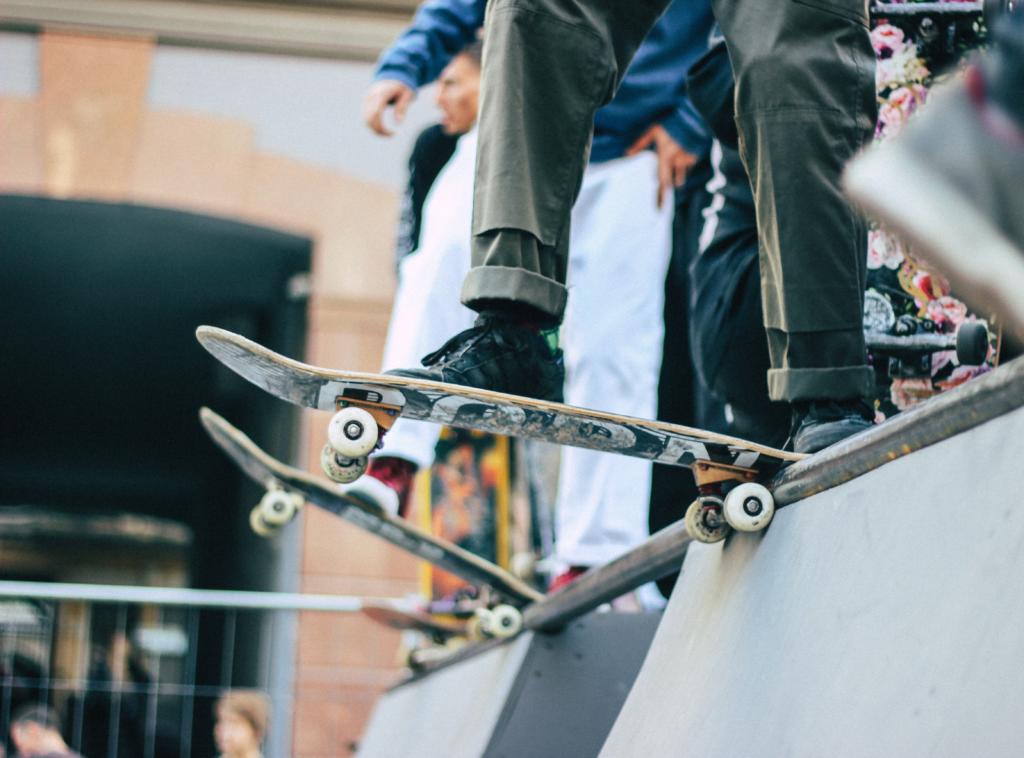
x=483, y=327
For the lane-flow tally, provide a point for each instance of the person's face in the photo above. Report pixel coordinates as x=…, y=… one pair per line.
x=233, y=734
x=458, y=93
x=27, y=737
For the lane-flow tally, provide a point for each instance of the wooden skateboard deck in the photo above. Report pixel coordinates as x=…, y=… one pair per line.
x=496, y=412
x=273, y=474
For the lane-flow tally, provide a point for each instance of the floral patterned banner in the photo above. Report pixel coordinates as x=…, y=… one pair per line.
x=903, y=296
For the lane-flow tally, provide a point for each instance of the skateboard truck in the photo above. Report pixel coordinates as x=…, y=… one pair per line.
x=501, y=621
x=275, y=509
x=746, y=507
x=486, y=617
x=353, y=433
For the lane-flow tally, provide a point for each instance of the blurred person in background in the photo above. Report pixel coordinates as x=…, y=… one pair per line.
x=242, y=717
x=35, y=729
x=23, y=683
x=457, y=97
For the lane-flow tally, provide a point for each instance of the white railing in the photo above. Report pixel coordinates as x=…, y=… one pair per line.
x=137, y=669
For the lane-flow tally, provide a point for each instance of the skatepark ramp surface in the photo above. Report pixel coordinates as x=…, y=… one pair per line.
x=539, y=695
x=883, y=617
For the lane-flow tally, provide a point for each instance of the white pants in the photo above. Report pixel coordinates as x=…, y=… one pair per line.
x=612, y=338
x=612, y=335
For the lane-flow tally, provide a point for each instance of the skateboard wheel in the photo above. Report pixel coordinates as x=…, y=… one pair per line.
x=704, y=523
x=972, y=343
x=501, y=621
x=258, y=525
x=523, y=565
x=749, y=507
x=352, y=432
x=278, y=507
x=340, y=469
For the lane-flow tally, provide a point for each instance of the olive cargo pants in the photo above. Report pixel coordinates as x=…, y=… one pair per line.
x=805, y=103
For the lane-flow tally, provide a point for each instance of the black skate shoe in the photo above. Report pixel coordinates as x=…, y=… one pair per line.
x=817, y=424
x=496, y=354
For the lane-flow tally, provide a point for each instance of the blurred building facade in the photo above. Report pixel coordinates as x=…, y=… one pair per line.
x=244, y=115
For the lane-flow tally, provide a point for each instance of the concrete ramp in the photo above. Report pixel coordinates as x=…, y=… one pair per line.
x=541, y=695
x=456, y=717
x=884, y=617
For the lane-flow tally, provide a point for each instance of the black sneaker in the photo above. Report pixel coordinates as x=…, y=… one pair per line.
x=496, y=354
x=817, y=424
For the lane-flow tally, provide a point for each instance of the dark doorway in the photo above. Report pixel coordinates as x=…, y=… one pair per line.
x=102, y=376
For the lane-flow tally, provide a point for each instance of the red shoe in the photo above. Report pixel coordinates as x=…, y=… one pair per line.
x=566, y=578
x=387, y=484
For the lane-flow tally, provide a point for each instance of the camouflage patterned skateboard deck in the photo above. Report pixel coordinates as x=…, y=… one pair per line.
x=469, y=408
x=717, y=461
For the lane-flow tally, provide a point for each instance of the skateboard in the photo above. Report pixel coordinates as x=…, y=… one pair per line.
x=728, y=471
x=288, y=489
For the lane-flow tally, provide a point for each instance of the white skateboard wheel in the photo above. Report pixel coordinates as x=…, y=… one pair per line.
x=278, y=507
x=340, y=469
x=352, y=432
x=702, y=525
x=749, y=507
x=257, y=524
x=523, y=565
x=506, y=621
x=501, y=621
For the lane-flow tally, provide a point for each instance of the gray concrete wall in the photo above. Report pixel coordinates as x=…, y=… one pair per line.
x=881, y=618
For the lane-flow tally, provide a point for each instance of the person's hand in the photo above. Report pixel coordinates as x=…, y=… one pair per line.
x=673, y=160
x=379, y=97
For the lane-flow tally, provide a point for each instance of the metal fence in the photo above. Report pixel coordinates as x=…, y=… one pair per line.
x=135, y=672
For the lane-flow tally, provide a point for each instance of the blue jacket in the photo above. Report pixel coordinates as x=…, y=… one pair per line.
x=653, y=90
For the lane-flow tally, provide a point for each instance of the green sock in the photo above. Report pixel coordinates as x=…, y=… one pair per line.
x=550, y=337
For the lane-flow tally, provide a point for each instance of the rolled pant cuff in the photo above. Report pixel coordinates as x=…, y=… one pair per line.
x=795, y=384
x=505, y=283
